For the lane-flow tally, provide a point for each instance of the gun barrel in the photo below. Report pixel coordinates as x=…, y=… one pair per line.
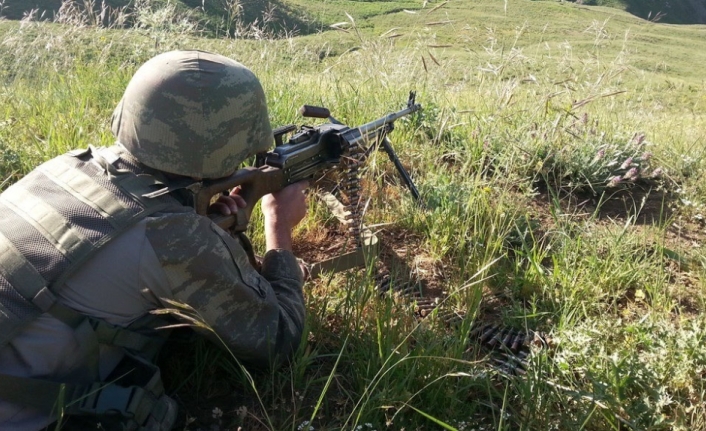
x=368, y=128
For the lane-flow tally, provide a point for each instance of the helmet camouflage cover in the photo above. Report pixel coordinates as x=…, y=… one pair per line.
x=193, y=113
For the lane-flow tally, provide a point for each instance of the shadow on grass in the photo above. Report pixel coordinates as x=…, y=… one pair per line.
x=646, y=204
x=669, y=11
x=664, y=11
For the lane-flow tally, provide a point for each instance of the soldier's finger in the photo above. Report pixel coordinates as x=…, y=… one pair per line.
x=235, y=191
x=219, y=207
x=231, y=202
x=239, y=201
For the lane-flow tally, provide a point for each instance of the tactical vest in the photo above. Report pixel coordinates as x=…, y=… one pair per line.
x=51, y=222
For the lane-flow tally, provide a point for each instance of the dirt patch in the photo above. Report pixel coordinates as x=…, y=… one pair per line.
x=401, y=254
x=321, y=244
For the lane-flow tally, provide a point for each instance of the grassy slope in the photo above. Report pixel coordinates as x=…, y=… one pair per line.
x=503, y=154
x=651, y=48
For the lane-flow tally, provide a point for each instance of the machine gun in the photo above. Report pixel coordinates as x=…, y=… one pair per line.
x=308, y=154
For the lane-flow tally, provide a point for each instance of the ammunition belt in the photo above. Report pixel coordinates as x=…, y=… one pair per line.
x=509, y=349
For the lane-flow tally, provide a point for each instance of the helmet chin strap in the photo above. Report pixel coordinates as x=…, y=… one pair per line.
x=106, y=159
x=182, y=183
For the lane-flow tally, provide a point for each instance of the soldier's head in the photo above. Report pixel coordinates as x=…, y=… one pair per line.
x=193, y=113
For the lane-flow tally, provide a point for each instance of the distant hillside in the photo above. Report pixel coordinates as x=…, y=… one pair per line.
x=307, y=16
x=215, y=15
x=666, y=11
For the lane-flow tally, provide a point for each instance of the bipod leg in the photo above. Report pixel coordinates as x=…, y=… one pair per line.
x=386, y=146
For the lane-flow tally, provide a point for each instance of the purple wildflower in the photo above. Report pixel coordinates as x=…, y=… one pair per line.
x=646, y=156
x=656, y=173
x=614, y=181
x=627, y=163
x=640, y=139
x=599, y=155
x=631, y=174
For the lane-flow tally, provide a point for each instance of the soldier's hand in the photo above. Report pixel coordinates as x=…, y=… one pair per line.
x=228, y=204
x=283, y=210
x=286, y=207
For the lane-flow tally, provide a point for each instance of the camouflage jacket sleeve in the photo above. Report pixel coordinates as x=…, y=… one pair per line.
x=257, y=316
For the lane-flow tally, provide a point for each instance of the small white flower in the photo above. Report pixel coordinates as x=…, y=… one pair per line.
x=242, y=411
x=216, y=413
x=305, y=426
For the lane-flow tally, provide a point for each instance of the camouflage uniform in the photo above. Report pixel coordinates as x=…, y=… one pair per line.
x=170, y=255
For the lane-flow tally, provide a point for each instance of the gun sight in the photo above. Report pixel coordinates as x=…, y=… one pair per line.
x=412, y=99
x=314, y=111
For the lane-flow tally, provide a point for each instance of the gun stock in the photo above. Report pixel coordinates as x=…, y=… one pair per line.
x=254, y=184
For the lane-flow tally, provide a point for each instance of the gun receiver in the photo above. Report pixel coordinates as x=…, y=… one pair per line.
x=308, y=154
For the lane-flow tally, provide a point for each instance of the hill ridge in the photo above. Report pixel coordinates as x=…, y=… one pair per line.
x=300, y=15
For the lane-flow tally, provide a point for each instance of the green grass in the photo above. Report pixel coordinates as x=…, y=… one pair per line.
x=522, y=223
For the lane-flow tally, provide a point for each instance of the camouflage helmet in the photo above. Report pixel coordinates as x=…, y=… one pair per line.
x=193, y=113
